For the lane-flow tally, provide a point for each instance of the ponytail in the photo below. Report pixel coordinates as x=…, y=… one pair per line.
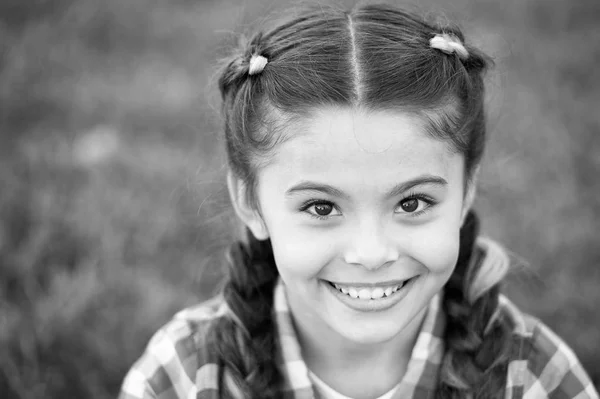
x=477, y=345
x=245, y=343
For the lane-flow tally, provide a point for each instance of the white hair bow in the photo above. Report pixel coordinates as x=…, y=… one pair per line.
x=449, y=44
x=257, y=64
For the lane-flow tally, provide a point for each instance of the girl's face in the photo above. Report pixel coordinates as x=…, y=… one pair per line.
x=363, y=210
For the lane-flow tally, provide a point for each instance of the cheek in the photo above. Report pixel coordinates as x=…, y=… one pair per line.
x=438, y=243
x=298, y=255
x=436, y=247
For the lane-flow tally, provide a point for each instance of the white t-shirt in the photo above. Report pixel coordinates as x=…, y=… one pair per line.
x=326, y=392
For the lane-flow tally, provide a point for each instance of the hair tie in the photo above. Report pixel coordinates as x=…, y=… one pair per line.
x=257, y=64
x=449, y=44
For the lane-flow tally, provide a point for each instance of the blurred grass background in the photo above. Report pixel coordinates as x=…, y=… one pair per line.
x=113, y=209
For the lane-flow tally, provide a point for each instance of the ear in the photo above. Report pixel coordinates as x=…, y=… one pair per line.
x=470, y=194
x=245, y=211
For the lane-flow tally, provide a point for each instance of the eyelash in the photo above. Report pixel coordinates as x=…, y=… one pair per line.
x=314, y=201
x=430, y=202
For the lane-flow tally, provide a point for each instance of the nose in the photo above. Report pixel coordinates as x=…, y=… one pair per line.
x=371, y=247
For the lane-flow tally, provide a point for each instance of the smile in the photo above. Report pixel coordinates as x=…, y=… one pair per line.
x=369, y=293
x=371, y=298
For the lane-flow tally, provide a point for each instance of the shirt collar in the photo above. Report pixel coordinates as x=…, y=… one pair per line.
x=423, y=367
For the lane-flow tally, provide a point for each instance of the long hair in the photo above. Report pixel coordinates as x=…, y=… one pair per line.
x=376, y=57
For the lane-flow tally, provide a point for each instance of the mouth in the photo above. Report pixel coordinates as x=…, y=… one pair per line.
x=370, y=293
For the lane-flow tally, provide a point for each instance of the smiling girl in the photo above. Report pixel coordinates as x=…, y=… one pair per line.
x=353, y=141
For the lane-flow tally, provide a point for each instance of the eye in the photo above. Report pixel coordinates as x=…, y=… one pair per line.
x=414, y=205
x=323, y=209
x=409, y=205
x=320, y=209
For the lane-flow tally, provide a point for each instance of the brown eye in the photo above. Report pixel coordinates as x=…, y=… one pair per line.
x=323, y=209
x=410, y=205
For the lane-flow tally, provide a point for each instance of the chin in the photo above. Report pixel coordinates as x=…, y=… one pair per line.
x=370, y=336
x=370, y=330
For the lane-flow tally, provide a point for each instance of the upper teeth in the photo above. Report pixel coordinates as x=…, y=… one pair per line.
x=368, y=293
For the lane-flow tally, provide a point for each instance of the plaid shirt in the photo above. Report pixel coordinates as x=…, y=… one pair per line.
x=177, y=364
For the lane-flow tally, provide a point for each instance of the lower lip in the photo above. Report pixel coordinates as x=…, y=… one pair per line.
x=372, y=305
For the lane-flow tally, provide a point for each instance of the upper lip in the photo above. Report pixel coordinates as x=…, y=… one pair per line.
x=386, y=283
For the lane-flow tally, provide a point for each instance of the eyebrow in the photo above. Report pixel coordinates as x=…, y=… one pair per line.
x=395, y=191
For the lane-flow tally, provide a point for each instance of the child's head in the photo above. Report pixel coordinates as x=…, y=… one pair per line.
x=353, y=140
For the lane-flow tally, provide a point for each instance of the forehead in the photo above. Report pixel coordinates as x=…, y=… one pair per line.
x=351, y=145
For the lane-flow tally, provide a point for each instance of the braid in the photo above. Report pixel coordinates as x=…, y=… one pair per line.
x=245, y=343
x=476, y=359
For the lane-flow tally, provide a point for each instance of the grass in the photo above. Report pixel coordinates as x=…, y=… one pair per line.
x=113, y=210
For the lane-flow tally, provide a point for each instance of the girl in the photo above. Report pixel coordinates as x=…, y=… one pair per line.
x=354, y=140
